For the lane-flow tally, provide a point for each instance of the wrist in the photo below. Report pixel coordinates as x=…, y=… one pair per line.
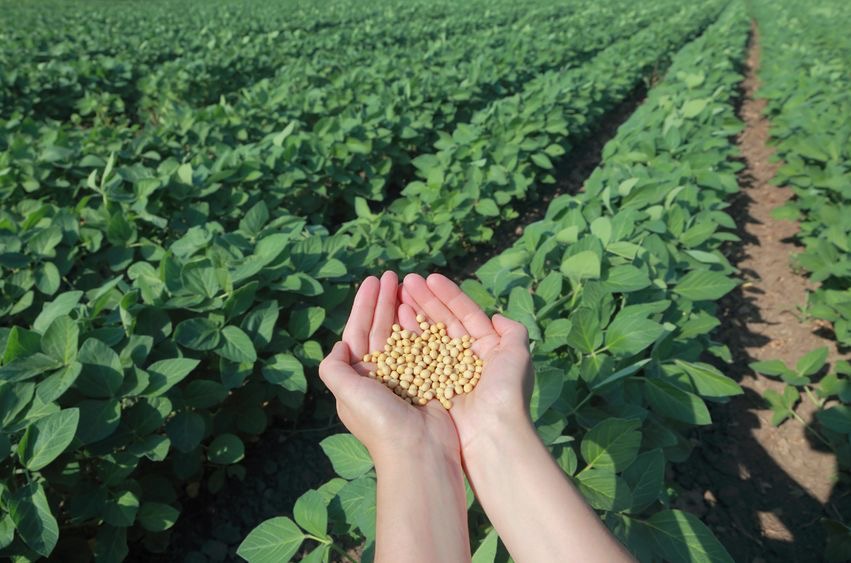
x=410, y=454
x=500, y=436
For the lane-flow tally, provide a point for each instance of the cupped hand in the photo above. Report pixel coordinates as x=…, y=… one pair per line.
x=380, y=419
x=506, y=383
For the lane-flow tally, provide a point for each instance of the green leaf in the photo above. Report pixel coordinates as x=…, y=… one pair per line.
x=680, y=536
x=486, y=552
x=33, y=519
x=585, y=334
x=782, y=406
x=157, y=516
x=20, y=344
x=62, y=305
x=60, y=339
x=304, y=322
x=102, y=373
x=581, y=266
x=693, y=108
x=708, y=381
x=625, y=279
x=487, y=207
x=274, y=541
x=348, y=456
x=629, y=334
x=47, y=438
x=226, y=449
x=704, y=285
x=603, y=489
x=98, y=419
x=770, y=367
x=165, y=374
x=672, y=402
x=186, y=430
x=111, y=544
x=549, y=382
x=812, y=362
x=612, y=444
x=236, y=346
x=121, y=510
x=311, y=513
x=198, y=334
x=646, y=478
x=836, y=418
x=285, y=370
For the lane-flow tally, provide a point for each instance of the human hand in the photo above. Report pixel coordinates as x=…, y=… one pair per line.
x=382, y=421
x=503, y=391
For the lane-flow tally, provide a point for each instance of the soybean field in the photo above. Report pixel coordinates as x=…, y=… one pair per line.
x=191, y=193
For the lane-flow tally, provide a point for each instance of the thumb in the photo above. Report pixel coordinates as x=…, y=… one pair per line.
x=511, y=332
x=336, y=367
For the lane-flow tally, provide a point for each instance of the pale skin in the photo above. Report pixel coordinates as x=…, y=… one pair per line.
x=488, y=434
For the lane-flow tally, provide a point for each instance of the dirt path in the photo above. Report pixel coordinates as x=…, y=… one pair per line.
x=762, y=489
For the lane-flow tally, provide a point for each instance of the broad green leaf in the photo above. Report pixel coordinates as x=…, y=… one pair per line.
x=197, y=334
x=165, y=374
x=348, y=456
x=603, y=489
x=285, y=370
x=157, y=516
x=98, y=419
x=708, y=381
x=693, y=108
x=811, y=362
x=612, y=444
x=274, y=541
x=236, y=346
x=47, y=438
x=311, y=513
x=304, y=322
x=33, y=519
x=782, y=406
x=630, y=334
x=580, y=266
x=62, y=305
x=186, y=430
x=111, y=544
x=102, y=373
x=60, y=339
x=20, y=344
x=646, y=478
x=626, y=278
x=837, y=418
x=704, y=285
x=585, y=334
x=549, y=382
x=120, y=511
x=22, y=369
x=670, y=401
x=226, y=449
x=680, y=536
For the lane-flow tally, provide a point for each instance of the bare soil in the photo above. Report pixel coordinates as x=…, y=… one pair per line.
x=763, y=490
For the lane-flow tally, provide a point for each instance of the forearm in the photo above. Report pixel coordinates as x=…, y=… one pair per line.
x=539, y=515
x=421, y=507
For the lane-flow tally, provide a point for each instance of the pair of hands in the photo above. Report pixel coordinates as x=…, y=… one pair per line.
x=382, y=421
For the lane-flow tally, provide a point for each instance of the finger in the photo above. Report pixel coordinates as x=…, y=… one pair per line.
x=385, y=311
x=356, y=333
x=408, y=318
x=335, y=369
x=432, y=306
x=475, y=321
x=511, y=332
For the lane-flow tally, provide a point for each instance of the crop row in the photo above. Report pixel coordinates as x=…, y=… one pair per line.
x=150, y=328
x=617, y=288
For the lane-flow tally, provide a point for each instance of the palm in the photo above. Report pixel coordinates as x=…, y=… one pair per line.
x=504, y=352
x=371, y=410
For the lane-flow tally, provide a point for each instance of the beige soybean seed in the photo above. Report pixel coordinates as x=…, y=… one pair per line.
x=467, y=388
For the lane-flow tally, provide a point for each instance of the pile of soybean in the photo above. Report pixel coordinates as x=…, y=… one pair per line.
x=426, y=366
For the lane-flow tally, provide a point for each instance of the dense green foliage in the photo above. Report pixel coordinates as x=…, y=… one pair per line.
x=806, y=82
x=189, y=197
x=617, y=287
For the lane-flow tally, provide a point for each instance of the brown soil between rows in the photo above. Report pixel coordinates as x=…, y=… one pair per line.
x=763, y=490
